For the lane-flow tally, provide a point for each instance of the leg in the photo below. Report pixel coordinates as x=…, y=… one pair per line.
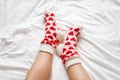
x=68, y=53
x=41, y=68
x=77, y=72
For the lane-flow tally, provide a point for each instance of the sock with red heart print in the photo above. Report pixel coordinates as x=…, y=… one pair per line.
x=67, y=50
x=48, y=44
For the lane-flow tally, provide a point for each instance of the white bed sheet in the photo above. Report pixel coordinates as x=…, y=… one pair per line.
x=21, y=30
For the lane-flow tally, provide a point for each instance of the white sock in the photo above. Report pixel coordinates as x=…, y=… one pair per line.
x=48, y=44
x=67, y=50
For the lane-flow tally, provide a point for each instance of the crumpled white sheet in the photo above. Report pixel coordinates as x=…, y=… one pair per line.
x=21, y=30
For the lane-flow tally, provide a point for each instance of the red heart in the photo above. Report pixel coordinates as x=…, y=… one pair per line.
x=52, y=28
x=52, y=42
x=49, y=43
x=48, y=32
x=64, y=49
x=67, y=43
x=62, y=57
x=67, y=38
x=54, y=24
x=71, y=33
x=64, y=61
x=73, y=39
x=45, y=20
x=67, y=57
x=68, y=52
x=50, y=19
x=75, y=45
x=71, y=28
x=54, y=34
x=71, y=47
x=56, y=41
x=50, y=37
x=46, y=29
x=46, y=15
x=47, y=24
x=42, y=41
x=45, y=39
x=52, y=14
x=76, y=29
x=77, y=34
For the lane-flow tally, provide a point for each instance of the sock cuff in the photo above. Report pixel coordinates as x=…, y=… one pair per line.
x=47, y=48
x=72, y=61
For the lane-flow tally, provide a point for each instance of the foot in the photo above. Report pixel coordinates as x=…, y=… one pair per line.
x=67, y=50
x=48, y=44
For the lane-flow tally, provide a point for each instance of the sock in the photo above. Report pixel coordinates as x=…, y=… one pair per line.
x=48, y=44
x=67, y=50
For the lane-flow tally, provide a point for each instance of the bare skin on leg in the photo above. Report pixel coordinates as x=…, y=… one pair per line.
x=41, y=68
x=77, y=72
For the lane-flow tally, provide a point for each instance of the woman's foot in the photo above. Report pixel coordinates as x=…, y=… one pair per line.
x=67, y=50
x=48, y=44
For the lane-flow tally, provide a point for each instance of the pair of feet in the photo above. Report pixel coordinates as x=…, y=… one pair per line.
x=66, y=50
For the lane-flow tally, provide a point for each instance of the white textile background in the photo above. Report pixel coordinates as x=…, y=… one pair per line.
x=21, y=30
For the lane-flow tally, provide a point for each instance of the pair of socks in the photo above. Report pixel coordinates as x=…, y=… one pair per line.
x=66, y=50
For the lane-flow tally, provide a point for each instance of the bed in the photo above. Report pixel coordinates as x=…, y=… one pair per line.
x=21, y=30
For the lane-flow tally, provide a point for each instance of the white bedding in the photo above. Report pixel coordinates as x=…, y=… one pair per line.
x=21, y=30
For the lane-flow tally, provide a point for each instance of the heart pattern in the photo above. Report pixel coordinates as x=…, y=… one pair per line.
x=50, y=19
x=69, y=45
x=70, y=42
x=52, y=14
x=50, y=30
